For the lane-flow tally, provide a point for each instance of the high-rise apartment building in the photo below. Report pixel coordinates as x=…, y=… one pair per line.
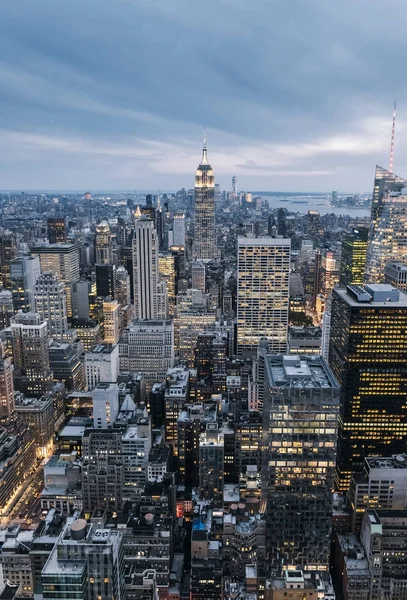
x=353, y=257
x=300, y=412
x=50, y=303
x=145, y=270
x=30, y=337
x=204, y=243
x=103, y=245
x=56, y=230
x=314, y=226
x=24, y=272
x=388, y=230
x=368, y=355
x=263, y=293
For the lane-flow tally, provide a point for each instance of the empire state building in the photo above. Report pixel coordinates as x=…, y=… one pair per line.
x=204, y=246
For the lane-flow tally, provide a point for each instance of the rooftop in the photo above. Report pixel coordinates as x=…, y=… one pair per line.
x=291, y=371
x=375, y=295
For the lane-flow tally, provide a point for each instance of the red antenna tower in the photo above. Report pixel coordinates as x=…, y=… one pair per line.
x=393, y=131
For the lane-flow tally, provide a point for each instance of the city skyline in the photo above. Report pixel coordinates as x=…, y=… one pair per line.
x=271, y=104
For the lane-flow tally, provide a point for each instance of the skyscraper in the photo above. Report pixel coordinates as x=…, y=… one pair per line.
x=146, y=271
x=56, y=230
x=263, y=293
x=106, y=281
x=50, y=303
x=179, y=229
x=111, y=321
x=24, y=272
x=30, y=337
x=353, y=257
x=234, y=187
x=103, y=246
x=63, y=261
x=204, y=244
x=301, y=403
x=368, y=355
x=329, y=275
x=388, y=229
x=8, y=251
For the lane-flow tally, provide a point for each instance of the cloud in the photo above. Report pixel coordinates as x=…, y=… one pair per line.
x=102, y=94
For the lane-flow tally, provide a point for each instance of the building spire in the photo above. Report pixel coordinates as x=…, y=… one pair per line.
x=393, y=131
x=205, y=150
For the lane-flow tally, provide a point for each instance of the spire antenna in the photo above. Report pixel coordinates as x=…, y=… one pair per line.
x=205, y=150
x=393, y=132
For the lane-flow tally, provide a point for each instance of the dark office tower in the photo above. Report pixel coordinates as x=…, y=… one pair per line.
x=204, y=245
x=56, y=230
x=189, y=428
x=368, y=355
x=301, y=403
x=271, y=226
x=106, y=281
x=353, y=257
x=149, y=200
x=387, y=239
x=203, y=358
x=281, y=224
x=8, y=251
x=314, y=226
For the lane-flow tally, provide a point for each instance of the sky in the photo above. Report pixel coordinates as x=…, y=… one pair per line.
x=296, y=95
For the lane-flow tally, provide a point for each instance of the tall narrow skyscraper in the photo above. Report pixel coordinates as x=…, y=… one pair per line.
x=146, y=270
x=388, y=229
x=263, y=293
x=204, y=245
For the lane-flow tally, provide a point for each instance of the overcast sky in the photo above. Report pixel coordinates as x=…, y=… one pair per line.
x=296, y=95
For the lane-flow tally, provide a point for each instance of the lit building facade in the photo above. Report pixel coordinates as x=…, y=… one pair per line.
x=395, y=274
x=353, y=257
x=263, y=293
x=388, y=229
x=204, y=243
x=368, y=355
x=56, y=230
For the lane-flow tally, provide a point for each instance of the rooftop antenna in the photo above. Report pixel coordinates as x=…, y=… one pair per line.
x=205, y=150
x=393, y=131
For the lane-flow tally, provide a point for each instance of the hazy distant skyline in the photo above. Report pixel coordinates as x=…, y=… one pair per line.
x=114, y=95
